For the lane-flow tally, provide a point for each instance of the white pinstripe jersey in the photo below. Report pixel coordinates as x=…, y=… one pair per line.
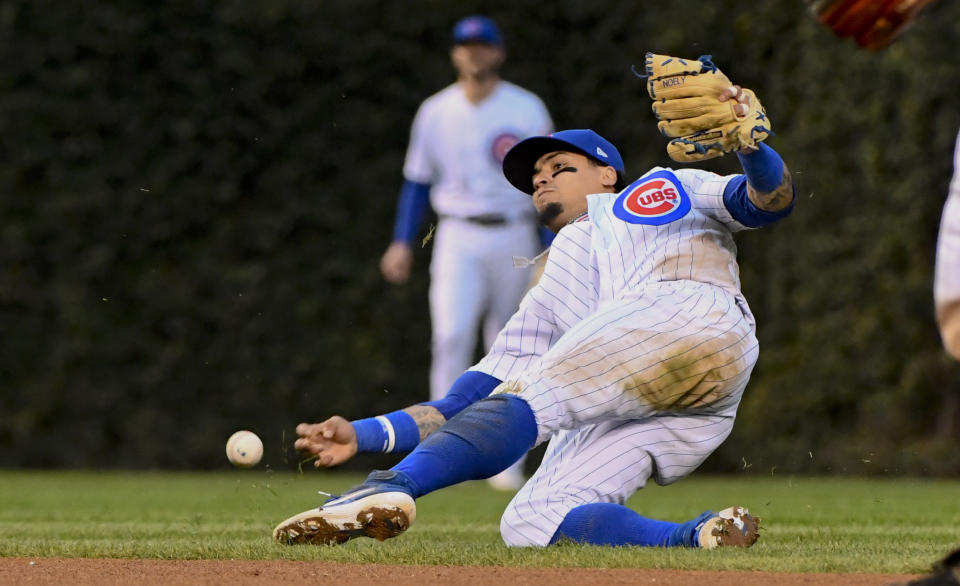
x=645, y=234
x=947, y=277
x=458, y=147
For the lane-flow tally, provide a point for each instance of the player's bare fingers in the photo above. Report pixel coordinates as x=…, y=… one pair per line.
x=313, y=445
x=731, y=92
x=744, y=99
x=308, y=448
x=743, y=104
x=328, y=429
x=321, y=431
x=308, y=429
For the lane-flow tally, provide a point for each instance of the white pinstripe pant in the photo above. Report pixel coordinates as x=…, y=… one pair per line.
x=644, y=387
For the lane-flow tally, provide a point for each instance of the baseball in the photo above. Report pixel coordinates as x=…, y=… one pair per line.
x=244, y=449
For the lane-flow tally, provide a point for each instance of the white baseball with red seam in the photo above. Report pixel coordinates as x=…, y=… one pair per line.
x=244, y=449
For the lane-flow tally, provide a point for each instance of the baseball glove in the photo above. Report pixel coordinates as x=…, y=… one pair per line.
x=686, y=101
x=871, y=23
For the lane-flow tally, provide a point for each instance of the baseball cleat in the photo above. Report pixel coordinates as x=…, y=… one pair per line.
x=378, y=508
x=731, y=527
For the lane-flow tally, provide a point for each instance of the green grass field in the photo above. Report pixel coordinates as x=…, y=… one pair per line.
x=809, y=524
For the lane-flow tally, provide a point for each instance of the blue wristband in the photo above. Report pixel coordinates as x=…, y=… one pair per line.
x=764, y=168
x=371, y=435
x=393, y=432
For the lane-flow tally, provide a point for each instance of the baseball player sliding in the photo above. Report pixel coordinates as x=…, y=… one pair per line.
x=946, y=289
x=457, y=144
x=630, y=355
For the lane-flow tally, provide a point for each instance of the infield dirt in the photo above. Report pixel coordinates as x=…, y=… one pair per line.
x=245, y=572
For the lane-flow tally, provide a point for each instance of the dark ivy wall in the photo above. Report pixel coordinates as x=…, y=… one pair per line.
x=194, y=197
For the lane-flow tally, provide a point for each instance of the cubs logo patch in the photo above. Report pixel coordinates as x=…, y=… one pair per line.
x=656, y=199
x=502, y=143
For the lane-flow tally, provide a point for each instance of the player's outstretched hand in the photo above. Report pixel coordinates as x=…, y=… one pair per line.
x=396, y=263
x=333, y=441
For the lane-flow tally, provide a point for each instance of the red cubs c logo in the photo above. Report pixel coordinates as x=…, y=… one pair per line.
x=502, y=143
x=652, y=198
x=656, y=199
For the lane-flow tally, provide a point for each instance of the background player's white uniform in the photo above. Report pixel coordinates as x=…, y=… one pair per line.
x=633, y=350
x=457, y=147
x=946, y=288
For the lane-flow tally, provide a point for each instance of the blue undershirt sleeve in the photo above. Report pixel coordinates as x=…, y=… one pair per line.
x=469, y=388
x=764, y=171
x=414, y=200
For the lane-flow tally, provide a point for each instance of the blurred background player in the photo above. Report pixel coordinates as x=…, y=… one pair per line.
x=946, y=297
x=946, y=289
x=457, y=144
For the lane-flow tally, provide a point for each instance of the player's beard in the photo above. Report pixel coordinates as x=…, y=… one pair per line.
x=484, y=74
x=550, y=212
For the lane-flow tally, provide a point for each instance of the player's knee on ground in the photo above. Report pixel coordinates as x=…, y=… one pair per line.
x=531, y=520
x=519, y=532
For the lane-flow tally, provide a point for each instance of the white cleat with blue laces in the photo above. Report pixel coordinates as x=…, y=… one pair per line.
x=378, y=508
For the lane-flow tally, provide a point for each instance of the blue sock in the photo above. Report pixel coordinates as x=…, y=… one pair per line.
x=482, y=440
x=612, y=524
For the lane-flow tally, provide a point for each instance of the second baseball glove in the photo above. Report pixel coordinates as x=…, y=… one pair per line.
x=873, y=24
x=686, y=101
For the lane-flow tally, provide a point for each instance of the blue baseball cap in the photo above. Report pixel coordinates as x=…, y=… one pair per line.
x=519, y=161
x=477, y=29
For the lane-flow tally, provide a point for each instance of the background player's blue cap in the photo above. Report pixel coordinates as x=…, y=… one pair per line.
x=519, y=162
x=477, y=29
